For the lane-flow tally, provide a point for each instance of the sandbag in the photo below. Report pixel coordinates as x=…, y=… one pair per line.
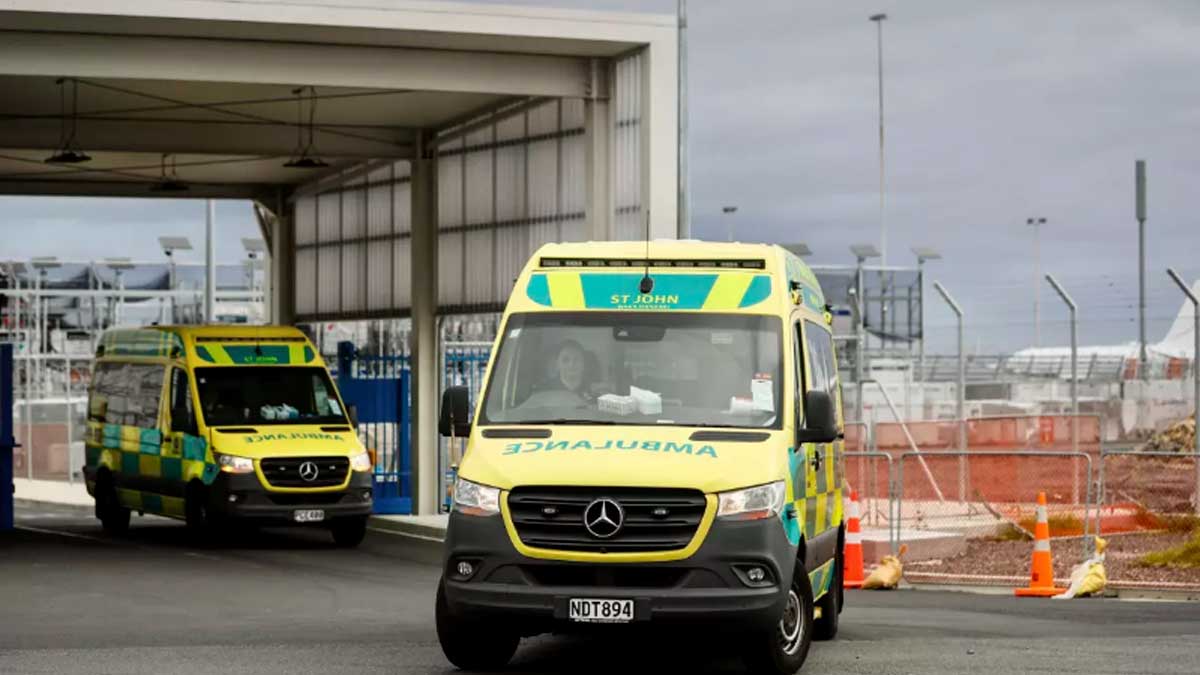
x=887, y=574
x=1089, y=577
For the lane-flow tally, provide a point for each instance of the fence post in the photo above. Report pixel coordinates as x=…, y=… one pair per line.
x=1062, y=293
x=7, y=442
x=1195, y=375
x=70, y=424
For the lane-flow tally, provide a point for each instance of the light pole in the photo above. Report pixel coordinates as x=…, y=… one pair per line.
x=43, y=265
x=685, y=225
x=861, y=253
x=729, y=211
x=1036, y=224
x=962, y=390
x=210, y=265
x=923, y=253
x=879, y=19
x=1062, y=293
x=1195, y=371
x=254, y=248
x=169, y=246
x=118, y=266
x=1140, y=178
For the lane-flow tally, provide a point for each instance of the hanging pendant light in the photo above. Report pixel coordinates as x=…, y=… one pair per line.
x=305, y=159
x=169, y=183
x=66, y=153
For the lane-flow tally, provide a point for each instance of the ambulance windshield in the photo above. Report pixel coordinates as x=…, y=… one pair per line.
x=257, y=395
x=719, y=370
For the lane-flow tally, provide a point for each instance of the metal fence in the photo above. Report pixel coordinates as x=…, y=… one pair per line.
x=464, y=364
x=50, y=415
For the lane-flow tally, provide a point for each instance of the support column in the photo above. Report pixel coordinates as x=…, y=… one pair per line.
x=424, y=340
x=660, y=138
x=282, y=267
x=597, y=122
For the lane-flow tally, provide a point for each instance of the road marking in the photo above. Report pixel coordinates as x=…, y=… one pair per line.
x=407, y=534
x=60, y=533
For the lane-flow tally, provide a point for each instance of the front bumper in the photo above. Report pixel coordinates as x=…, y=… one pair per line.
x=251, y=502
x=705, y=588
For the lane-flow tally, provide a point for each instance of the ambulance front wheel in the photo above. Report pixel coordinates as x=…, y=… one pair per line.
x=783, y=649
x=472, y=644
x=114, y=518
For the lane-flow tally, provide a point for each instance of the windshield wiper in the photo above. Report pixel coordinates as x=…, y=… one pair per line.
x=563, y=422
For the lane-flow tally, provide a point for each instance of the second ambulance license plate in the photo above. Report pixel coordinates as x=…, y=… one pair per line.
x=308, y=515
x=600, y=611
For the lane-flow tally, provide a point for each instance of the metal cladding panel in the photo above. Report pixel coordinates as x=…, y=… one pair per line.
x=306, y=220
x=353, y=207
x=353, y=282
x=379, y=208
x=329, y=217
x=478, y=184
x=450, y=269
x=479, y=274
x=627, y=149
x=328, y=278
x=402, y=281
x=305, y=281
x=379, y=274
x=450, y=186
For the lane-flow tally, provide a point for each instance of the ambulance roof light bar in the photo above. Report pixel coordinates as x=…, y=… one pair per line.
x=746, y=264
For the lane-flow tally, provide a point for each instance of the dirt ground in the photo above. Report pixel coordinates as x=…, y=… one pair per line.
x=1012, y=558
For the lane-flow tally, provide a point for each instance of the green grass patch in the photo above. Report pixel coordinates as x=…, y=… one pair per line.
x=1061, y=524
x=1186, y=554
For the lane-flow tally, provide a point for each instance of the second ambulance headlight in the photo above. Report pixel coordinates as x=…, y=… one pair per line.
x=753, y=503
x=361, y=462
x=474, y=499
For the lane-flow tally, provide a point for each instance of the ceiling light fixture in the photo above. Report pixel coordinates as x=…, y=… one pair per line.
x=66, y=153
x=169, y=183
x=306, y=159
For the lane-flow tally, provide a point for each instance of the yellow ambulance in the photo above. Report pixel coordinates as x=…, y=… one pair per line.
x=217, y=425
x=657, y=442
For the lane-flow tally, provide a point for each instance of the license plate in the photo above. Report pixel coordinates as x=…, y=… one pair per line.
x=308, y=515
x=600, y=610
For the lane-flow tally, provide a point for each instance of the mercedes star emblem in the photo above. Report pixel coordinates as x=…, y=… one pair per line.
x=309, y=471
x=603, y=518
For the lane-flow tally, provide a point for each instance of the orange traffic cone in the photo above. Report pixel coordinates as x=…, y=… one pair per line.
x=1041, y=583
x=853, y=554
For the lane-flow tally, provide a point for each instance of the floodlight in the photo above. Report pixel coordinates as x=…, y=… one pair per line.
x=864, y=251
x=253, y=246
x=924, y=253
x=171, y=244
x=799, y=249
x=119, y=263
x=44, y=262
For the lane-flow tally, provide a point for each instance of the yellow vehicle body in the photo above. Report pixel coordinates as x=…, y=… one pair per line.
x=196, y=423
x=681, y=318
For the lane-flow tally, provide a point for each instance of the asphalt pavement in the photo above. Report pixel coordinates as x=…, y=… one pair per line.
x=74, y=600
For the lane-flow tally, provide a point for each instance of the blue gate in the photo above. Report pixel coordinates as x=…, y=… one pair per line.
x=377, y=389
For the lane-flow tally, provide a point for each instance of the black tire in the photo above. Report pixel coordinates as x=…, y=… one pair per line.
x=471, y=644
x=830, y=604
x=349, y=532
x=114, y=518
x=197, y=514
x=783, y=649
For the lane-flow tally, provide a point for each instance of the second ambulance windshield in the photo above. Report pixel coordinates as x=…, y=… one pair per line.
x=257, y=395
x=718, y=370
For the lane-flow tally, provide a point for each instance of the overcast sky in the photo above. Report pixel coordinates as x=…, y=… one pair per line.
x=995, y=111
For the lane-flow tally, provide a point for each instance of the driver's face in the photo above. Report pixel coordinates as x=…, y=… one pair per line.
x=570, y=368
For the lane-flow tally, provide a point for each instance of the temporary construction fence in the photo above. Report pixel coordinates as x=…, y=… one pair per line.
x=1008, y=432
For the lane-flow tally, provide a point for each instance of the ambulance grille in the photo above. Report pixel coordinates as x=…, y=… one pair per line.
x=285, y=471
x=655, y=519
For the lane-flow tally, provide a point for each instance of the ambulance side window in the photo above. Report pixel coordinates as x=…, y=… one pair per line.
x=819, y=344
x=798, y=357
x=183, y=417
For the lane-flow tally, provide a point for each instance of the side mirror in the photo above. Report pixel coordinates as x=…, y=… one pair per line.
x=820, y=419
x=455, y=416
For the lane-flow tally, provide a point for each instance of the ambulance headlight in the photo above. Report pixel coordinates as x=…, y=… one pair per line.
x=235, y=464
x=753, y=503
x=361, y=462
x=474, y=499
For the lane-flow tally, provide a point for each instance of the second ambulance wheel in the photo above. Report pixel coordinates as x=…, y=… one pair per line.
x=349, y=532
